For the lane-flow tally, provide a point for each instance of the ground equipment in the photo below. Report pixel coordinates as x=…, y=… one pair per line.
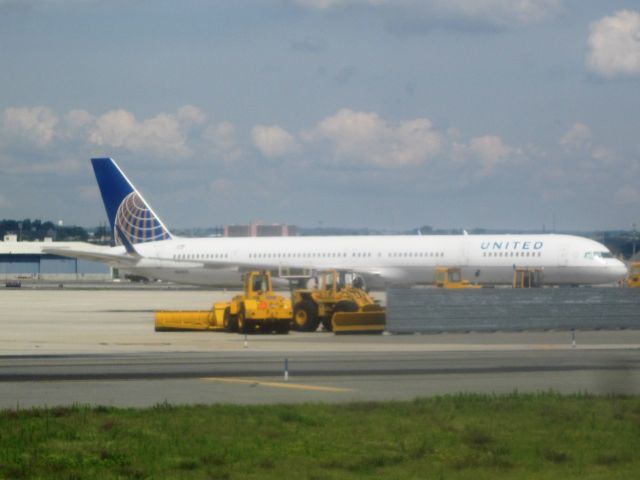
x=257, y=309
x=633, y=279
x=340, y=306
x=527, y=277
x=185, y=320
x=451, y=277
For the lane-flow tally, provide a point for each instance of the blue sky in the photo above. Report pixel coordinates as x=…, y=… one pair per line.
x=369, y=113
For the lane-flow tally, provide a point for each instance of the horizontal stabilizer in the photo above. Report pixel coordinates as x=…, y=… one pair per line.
x=93, y=255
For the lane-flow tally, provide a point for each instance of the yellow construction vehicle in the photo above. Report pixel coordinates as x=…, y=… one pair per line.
x=338, y=305
x=527, y=277
x=451, y=277
x=633, y=279
x=258, y=308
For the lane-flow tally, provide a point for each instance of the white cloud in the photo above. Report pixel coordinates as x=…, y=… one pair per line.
x=614, y=45
x=365, y=138
x=162, y=135
x=190, y=115
x=34, y=125
x=579, y=140
x=166, y=135
x=273, y=141
x=113, y=128
x=489, y=150
x=603, y=154
x=347, y=138
x=223, y=140
x=78, y=118
x=578, y=137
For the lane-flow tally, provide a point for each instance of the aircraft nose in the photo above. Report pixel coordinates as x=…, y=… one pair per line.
x=619, y=270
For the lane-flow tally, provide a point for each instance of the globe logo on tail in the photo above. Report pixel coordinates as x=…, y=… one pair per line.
x=137, y=222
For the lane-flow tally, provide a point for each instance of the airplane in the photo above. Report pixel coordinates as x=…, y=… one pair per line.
x=145, y=246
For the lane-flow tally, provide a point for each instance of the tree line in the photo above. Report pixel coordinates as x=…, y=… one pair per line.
x=29, y=230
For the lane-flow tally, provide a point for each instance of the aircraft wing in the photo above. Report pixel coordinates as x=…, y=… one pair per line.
x=370, y=272
x=240, y=266
x=106, y=255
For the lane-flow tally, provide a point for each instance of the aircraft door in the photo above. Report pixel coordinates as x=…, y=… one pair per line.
x=464, y=252
x=563, y=259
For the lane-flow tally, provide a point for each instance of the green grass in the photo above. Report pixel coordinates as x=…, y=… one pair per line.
x=544, y=436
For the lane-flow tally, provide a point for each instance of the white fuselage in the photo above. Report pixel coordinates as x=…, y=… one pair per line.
x=382, y=260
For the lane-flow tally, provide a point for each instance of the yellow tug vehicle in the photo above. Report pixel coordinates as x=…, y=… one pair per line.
x=633, y=279
x=451, y=277
x=340, y=306
x=257, y=309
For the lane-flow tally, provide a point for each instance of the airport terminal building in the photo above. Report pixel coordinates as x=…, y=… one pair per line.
x=26, y=261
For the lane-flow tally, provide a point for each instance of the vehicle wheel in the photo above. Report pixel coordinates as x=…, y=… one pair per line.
x=229, y=322
x=305, y=316
x=243, y=325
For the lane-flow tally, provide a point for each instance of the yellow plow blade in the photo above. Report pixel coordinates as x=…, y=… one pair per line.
x=186, y=320
x=359, y=322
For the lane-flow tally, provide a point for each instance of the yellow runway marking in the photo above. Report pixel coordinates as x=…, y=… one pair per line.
x=294, y=386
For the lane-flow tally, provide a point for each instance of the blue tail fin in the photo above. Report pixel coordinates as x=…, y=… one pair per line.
x=129, y=214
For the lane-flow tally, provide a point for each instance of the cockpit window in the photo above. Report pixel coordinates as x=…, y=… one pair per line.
x=592, y=255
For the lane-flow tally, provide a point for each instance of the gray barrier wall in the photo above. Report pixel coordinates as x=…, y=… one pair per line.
x=437, y=310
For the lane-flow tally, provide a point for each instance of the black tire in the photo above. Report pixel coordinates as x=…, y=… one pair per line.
x=229, y=322
x=305, y=316
x=244, y=325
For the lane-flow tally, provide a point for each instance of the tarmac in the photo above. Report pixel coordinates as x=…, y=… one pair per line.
x=97, y=346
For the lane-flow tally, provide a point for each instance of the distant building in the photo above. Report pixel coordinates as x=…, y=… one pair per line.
x=26, y=260
x=258, y=230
